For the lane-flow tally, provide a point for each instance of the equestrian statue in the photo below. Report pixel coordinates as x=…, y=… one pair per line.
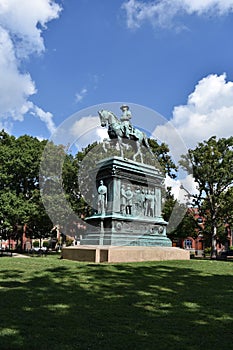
x=122, y=131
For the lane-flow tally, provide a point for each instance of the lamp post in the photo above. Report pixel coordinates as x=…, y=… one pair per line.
x=1, y=233
x=200, y=223
x=9, y=239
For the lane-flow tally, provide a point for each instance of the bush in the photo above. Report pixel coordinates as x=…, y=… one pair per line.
x=207, y=250
x=231, y=247
x=36, y=244
x=46, y=244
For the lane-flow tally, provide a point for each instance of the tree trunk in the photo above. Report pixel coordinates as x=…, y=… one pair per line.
x=214, y=243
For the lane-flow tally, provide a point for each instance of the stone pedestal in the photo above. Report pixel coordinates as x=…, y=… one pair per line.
x=111, y=254
x=132, y=216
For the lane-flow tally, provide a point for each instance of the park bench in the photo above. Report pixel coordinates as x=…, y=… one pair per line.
x=5, y=252
x=38, y=252
x=228, y=255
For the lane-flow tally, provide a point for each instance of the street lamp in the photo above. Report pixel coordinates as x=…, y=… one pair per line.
x=1, y=232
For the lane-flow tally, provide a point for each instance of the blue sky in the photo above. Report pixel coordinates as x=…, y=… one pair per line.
x=61, y=57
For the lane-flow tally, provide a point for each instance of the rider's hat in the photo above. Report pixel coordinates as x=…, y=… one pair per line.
x=124, y=106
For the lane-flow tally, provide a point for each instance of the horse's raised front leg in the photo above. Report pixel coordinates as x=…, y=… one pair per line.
x=120, y=146
x=139, y=152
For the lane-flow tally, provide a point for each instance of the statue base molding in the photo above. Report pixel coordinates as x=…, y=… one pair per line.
x=118, y=230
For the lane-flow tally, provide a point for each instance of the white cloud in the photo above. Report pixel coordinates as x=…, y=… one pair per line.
x=102, y=133
x=14, y=86
x=86, y=129
x=84, y=126
x=45, y=117
x=23, y=21
x=208, y=112
x=182, y=188
x=21, y=36
x=162, y=12
x=80, y=95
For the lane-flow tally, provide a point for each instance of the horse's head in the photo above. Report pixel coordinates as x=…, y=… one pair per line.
x=103, y=117
x=107, y=117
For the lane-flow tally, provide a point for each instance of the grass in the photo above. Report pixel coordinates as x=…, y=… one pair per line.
x=49, y=303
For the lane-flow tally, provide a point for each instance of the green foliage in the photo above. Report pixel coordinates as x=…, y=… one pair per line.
x=46, y=244
x=59, y=184
x=172, y=212
x=36, y=244
x=207, y=251
x=187, y=227
x=169, y=204
x=161, y=152
x=20, y=201
x=211, y=163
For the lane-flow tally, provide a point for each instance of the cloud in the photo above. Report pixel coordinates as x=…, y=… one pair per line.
x=86, y=129
x=45, y=117
x=161, y=13
x=92, y=83
x=182, y=188
x=21, y=36
x=208, y=112
x=80, y=95
x=15, y=87
x=26, y=21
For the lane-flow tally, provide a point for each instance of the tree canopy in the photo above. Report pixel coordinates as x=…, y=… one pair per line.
x=211, y=164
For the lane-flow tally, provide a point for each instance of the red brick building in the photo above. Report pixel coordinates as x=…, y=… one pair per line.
x=197, y=245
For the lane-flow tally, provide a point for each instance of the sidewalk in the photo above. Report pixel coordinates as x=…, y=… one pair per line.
x=17, y=255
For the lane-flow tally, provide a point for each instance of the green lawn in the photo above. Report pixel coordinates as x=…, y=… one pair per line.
x=49, y=303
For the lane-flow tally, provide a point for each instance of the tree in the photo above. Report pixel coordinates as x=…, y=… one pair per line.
x=20, y=202
x=161, y=152
x=53, y=194
x=211, y=164
x=172, y=212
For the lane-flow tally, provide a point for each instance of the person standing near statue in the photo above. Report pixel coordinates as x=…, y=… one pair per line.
x=102, y=198
x=125, y=120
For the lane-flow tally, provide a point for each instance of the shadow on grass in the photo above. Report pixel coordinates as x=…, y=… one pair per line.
x=64, y=305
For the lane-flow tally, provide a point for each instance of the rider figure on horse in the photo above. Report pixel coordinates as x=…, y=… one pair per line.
x=125, y=121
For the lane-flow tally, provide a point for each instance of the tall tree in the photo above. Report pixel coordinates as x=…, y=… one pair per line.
x=172, y=212
x=211, y=164
x=165, y=161
x=20, y=201
x=52, y=189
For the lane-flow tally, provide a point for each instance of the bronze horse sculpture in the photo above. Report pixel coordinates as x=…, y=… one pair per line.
x=116, y=131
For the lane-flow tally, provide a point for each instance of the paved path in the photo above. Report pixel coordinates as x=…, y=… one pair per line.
x=16, y=255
